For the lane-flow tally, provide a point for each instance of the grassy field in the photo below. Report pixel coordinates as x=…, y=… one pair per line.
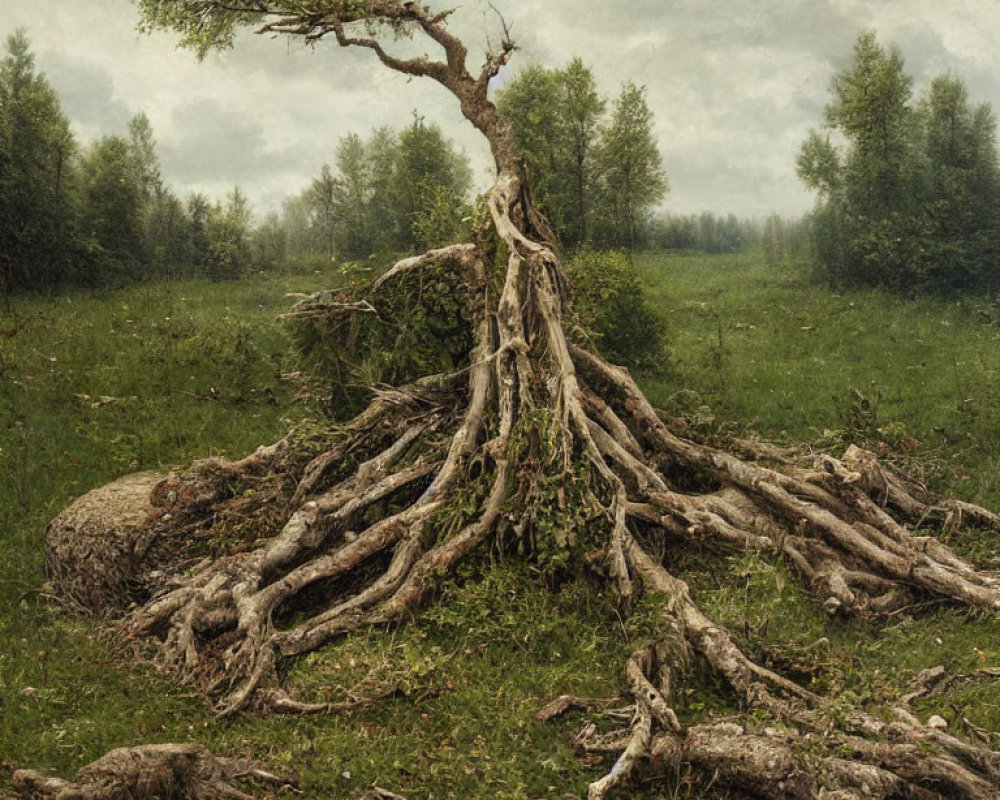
x=150, y=377
x=762, y=347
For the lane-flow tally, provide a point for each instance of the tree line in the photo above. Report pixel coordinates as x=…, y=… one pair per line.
x=596, y=177
x=908, y=187
x=389, y=193
x=100, y=214
x=779, y=237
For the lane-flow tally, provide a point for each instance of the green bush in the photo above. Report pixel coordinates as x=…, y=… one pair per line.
x=612, y=311
x=420, y=323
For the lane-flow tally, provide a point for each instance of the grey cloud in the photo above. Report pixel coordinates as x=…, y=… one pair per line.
x=928, y=56
x=734, y=85
x=923, y=49
x=212, y=142
x=86, y=93
x=213, y=148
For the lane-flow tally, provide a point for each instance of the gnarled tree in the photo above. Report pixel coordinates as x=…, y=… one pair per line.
x=366, y=519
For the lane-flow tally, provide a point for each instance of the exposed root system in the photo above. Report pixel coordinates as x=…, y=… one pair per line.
x=164, y=771
x=426, y=475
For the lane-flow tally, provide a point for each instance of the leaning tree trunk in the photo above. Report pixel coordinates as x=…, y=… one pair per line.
x=369, y=523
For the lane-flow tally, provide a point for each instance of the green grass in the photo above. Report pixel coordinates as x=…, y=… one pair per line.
x=765, y=348
x=95, y=386
x=762, y=349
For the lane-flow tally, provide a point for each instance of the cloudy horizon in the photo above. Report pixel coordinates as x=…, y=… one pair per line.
x=734, y=87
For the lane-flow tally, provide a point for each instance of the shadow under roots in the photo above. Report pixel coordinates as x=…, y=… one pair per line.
x=329, y=593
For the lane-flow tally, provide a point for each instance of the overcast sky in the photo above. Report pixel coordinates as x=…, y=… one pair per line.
x=734, y=84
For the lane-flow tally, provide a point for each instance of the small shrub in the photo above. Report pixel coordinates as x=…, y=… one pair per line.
x=420, y=323
x=862, y=424
x=439, y=218
x=612, y=310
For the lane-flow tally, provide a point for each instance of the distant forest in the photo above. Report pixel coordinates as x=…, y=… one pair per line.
x=908, y=187
x=101, y=214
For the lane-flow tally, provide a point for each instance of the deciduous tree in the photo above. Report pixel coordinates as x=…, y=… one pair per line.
x=111, y=203
x=581, y=108
x=530, y=102
x=382, y=192
x=632, y=181
x=963, y=188
x=556, y=116
x=228, y=237
x=427, y=169
x=329, y=199
x=910, y=199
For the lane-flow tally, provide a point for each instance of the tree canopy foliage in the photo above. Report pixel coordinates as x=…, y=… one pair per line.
x=392, y=192
x=101, y=214
x=597, y=180
x=36, y=186
x=909, y=189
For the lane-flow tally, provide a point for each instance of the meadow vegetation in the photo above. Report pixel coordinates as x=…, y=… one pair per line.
x=99, y=385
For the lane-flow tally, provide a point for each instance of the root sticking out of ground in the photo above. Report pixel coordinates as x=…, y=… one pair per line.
x=541, y=446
